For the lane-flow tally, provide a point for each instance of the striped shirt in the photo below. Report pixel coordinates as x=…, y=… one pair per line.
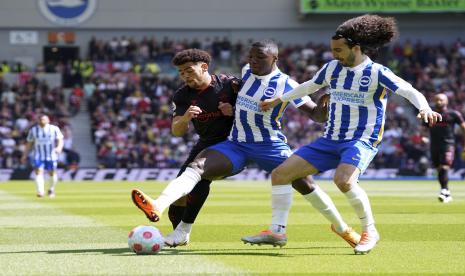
x=253, y=125
x=358, y=98
x=44, y=140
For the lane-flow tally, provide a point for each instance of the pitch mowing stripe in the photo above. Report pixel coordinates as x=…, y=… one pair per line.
x=103, y=259
x=46, y=258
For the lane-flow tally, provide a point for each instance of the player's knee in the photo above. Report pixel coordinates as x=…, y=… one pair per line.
x=342, y=183
x=198, y=166
x=278, y=177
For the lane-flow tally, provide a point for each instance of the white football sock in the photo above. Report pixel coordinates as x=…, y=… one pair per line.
x=177, y=188
x=53, y=180
x=323, y=203
x=281, y=201
x=358, y=198
x=184, y=227
x=39, y=180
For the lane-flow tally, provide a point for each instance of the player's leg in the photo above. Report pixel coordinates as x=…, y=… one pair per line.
x=51, y=167
x=39, y=177
x=281, y=201
x=321, y=201
x=196, y=198
x=178, y=208
x=194, y=202
x=355, y=158
x=308, y=160
x=446, y=159
x=211, y=164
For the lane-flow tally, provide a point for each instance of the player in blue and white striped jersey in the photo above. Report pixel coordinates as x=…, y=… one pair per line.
x=46, y=140
x=359, y=90
x=255, y=137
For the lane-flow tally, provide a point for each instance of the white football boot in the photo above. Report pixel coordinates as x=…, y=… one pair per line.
x=177, y=238
x=367, y=242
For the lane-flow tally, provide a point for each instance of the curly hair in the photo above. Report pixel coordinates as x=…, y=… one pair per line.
x=369, y=31
x=191, y=55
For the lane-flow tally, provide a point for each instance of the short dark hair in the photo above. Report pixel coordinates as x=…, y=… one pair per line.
x=191, y=55
x=369, y=31
x=269, y=44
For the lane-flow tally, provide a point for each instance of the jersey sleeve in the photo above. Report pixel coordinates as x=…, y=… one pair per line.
x=390, y=81
x=291, y=84
x=178, y=106
x=458, y=118
x=58, y=134
x=30, y=135
x=316, y=83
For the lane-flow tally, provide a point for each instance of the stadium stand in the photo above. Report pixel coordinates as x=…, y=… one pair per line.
x=128, y=86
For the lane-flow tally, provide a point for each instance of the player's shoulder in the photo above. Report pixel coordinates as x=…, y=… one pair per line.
x=229, y=81
x=182, y=90
x=289, y=81
x=455, y=113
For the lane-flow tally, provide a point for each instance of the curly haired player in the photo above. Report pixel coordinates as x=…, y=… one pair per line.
x=359, y=90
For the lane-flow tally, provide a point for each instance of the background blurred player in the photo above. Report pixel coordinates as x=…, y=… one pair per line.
x=47, y=141
x=358, y=89
x=442, y=143
x=207, y=101
x=255, y=137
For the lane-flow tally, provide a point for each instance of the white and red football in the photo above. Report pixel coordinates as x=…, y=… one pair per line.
x=145, y=240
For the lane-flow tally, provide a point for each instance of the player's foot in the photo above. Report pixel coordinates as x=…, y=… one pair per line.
x=40, y=195
x=177, y=238
x=51, y=193
x=444, y=196
x=367, y=242
x=266, y=237
x=349, y=235
x=144, y=202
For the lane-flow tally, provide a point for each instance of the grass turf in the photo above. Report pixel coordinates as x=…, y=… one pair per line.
x=84, y=231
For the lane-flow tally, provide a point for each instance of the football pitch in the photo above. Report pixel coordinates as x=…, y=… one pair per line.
x=83, y=231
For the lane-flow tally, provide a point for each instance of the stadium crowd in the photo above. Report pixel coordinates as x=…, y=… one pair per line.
x=129, y=84
x=21, y=104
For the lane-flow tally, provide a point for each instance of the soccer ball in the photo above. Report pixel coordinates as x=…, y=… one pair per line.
x=145, y=240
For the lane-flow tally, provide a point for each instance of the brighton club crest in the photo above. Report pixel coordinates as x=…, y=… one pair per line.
x=67, y=12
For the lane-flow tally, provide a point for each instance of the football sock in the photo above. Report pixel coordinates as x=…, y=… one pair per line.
x=40, y=183
x=323, y=203
x=177, y=188
x=358, y=198
x=195, y=200
x=175, y=214
x=443, y=177
x=53, y=180
x=184, y=227
x=281, y=200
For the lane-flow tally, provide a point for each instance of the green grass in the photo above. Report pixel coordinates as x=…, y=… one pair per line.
x=84, y=231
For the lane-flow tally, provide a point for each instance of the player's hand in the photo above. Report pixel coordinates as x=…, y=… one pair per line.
x=322, y=109
x=429, y=117
x=192, y=112
x=268, y=104
x=226, y=109
x=58, y=151
x=23, y=159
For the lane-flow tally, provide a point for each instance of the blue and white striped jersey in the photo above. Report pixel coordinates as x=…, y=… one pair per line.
x=44, y=140
x=358, y=98
x=253, y=125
